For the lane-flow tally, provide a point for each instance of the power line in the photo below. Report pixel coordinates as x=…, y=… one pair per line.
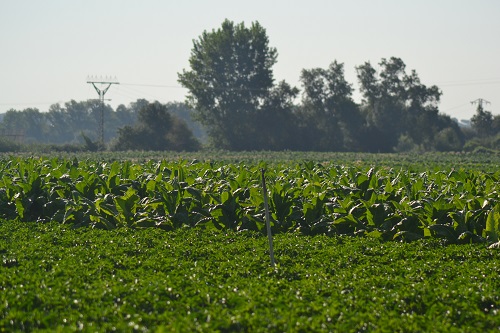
x=31, y=103
x=135, y=92
x=473, y=80
x=152, y=85
x=469, y=83
x=455, y=107
x=181, y=87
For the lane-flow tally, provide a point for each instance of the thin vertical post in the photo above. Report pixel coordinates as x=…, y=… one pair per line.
x=268, y=223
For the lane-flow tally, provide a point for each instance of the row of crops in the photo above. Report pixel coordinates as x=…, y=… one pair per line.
x=312, y=198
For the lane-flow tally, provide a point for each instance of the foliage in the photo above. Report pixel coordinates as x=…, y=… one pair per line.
x=328, y=114
x=448, y=139
x=397, y=103
x=489, y=143
x=406, y=144
x=482, y=121
x=91, y=145
x=231, y=85
x=63, y=124
x=412, y=161
x=156, y=130
x=235, y=104
x=308, y=197
x=7, y=145
x=230, y=80
x=56, y=279
x=183, y=112
x=231, y=89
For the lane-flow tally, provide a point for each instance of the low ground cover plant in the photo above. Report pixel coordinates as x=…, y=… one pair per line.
x=53, y=278
x=362, y=243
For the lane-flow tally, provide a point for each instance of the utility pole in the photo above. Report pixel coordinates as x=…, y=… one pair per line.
x=479, y=103
x=101, y=93
x=482, y=121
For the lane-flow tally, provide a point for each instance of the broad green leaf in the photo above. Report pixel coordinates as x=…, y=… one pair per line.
x=492, y=228
x=444, y=231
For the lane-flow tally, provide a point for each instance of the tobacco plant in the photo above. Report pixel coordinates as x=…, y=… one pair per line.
x=459, y=205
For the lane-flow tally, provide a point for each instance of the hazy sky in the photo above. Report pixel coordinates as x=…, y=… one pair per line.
x=48, y=48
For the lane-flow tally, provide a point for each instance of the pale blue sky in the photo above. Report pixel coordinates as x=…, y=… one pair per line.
x=48, y=48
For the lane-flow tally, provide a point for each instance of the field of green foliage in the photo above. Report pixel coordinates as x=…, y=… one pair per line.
x=310, y=197
x=177, y=243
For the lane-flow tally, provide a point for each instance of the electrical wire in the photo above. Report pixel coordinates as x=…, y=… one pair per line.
x=125, y=89
x=136, y=92
x=477, y=82
x=455, y=107
x=152, y=85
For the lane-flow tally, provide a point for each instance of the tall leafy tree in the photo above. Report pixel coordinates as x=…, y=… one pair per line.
x=397, y=103
x=58, y=121
x=184, y=112
x=156, y=129
x=482, y=121
x=276, y=120
x=383, y=103
x=229, y=80
x=329, y=116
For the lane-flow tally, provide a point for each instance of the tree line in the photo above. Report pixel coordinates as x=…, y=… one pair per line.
x=234, y=103
x=233, y=94
x=142, y=125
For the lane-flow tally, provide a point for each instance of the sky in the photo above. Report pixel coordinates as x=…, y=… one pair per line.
x=49, y=49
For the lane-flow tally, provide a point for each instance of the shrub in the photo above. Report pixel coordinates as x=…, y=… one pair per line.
x=7, y=145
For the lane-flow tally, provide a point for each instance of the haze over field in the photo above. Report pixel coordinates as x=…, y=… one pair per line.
x=49, y=48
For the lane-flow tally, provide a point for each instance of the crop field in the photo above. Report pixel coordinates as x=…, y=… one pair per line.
x=142, y=242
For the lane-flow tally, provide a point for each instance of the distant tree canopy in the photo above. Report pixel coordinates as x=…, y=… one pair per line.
x=234, y=103
x=183, y=112
x=65, y=123
x=233, y=94
x=482, y=121
x=156, y=129
x=78, y=122
x=329, y=118
x=231, y=87
x=396, y=104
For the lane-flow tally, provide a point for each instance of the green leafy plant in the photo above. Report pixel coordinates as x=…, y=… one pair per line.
x=460, y=206
x=492, y=229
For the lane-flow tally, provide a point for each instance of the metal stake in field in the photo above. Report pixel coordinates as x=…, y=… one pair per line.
x=268, y=223
x=101, y=93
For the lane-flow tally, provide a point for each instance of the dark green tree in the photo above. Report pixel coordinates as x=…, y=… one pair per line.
x=276, y=121
x=329, y=117
x=482, y=121
x=448, y=135
x=397, y=104
x=127, y=115
x=229, y=81
x=58, y=121
x=156, y=129
x=84, y=116
x=383, y=103
x=184, y=112
x=495, y=125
